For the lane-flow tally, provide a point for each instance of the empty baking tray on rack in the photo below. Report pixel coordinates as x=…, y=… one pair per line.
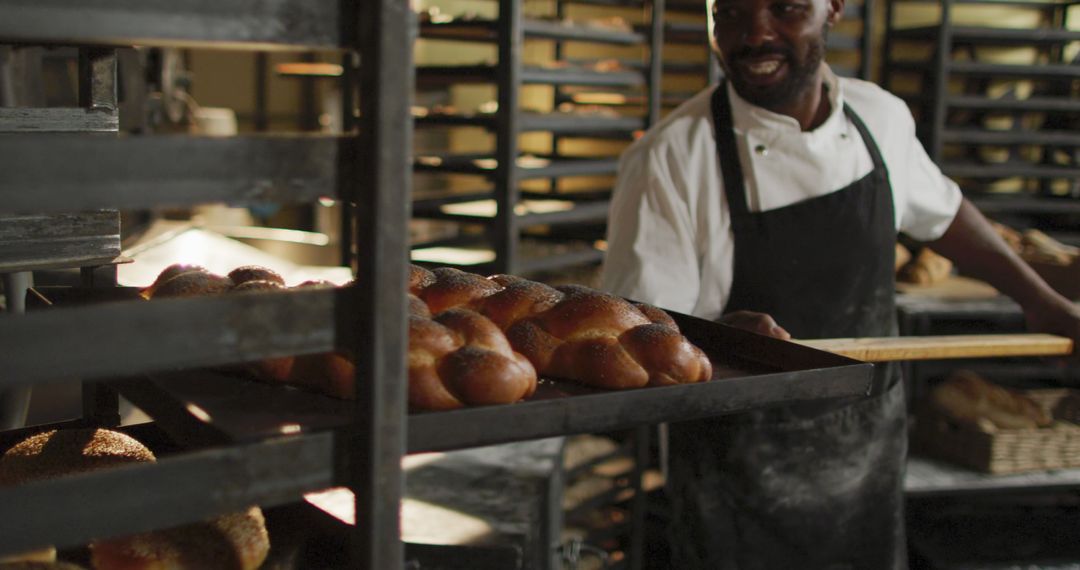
x=750, y=371
x=563, y=123
x=483, y=30
x=555, y=74
x=528, y=166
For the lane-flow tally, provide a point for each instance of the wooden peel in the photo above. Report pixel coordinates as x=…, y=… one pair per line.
x=885, y=349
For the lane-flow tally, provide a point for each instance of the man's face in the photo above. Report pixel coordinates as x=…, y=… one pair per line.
x=771, y=50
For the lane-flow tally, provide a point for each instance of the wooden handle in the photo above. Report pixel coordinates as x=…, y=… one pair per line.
x=946, y=346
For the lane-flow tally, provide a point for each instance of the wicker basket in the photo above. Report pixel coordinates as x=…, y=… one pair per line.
x=1005, y=450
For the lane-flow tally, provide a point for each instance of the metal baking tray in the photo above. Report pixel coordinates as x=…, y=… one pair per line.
x=750, y=371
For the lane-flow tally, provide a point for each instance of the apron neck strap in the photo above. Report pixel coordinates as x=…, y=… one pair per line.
x=727, y=150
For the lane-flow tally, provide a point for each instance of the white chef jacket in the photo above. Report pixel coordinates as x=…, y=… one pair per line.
x=669, y=228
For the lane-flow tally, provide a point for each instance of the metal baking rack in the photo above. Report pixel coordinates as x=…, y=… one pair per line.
x=502, y=232
x=50, y=173
x=1006, y=130
x=751, y=371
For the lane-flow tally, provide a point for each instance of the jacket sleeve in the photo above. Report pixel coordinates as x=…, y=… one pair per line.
x=651, y=255
x=926, y=199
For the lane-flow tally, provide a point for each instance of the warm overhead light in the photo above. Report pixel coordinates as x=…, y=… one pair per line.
x=313, y=69
x=453, y=255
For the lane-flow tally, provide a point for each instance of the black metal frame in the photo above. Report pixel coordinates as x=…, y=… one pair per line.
x=367, y=166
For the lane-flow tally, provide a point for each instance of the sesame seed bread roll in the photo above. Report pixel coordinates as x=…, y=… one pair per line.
x=236, y=541
x=62, y=452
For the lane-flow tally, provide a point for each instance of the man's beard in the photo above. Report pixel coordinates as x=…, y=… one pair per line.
x=800, y=77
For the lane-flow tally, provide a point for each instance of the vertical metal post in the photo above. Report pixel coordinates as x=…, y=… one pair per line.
x=371, y=448
x=551, y=527
x=887, y=49
x=97, y=79
x=261, y=121
x=639, y=505
x=504, y=232
x=941, y=82
x=350, y=63
x=98, y=93
x=309, y=113
x=656, y=62
x=560, y=15
x=15, y=401
x=866, y=41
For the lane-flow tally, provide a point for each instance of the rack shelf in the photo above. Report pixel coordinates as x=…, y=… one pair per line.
x=528, y=166
x=555, y=123
x=131, y=172
x=1046, y=104
x=992, y=36
x=930, y=478
x=487, y=31
x=751, y=371
x=1011, y=138
x=433, y=75
x=282, y=24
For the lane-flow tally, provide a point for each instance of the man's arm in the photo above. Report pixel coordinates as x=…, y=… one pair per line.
x=979, y=251
x=651, y=255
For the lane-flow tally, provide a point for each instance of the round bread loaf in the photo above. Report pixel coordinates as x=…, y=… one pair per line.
x=61, y=452
x=191, y=284
x=235, y=541
x=255, y=273
x=170, y=272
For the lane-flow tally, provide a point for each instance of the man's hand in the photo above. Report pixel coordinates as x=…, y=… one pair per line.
x=755, y=322
x=1057, y=316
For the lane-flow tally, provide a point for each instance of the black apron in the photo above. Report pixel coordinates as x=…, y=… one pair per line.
x=811, y=485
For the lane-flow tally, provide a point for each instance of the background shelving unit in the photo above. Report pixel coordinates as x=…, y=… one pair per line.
x=51, y=173
x=503, y=203
x=993, y=87
x=851, y=44
x=996, y=104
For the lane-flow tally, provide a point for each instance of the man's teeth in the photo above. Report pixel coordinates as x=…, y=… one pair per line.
x=763, y=68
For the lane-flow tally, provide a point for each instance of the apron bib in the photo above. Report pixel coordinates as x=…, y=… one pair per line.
x=808, y=485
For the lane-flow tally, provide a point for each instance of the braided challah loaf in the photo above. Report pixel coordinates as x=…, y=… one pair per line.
x=573, y=332
x=461, y=358
x=445, y=288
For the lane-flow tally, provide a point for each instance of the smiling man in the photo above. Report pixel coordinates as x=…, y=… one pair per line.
x=773, y=202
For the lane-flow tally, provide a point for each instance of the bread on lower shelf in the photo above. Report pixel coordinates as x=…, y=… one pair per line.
x=966, y=397
x=236, y=541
